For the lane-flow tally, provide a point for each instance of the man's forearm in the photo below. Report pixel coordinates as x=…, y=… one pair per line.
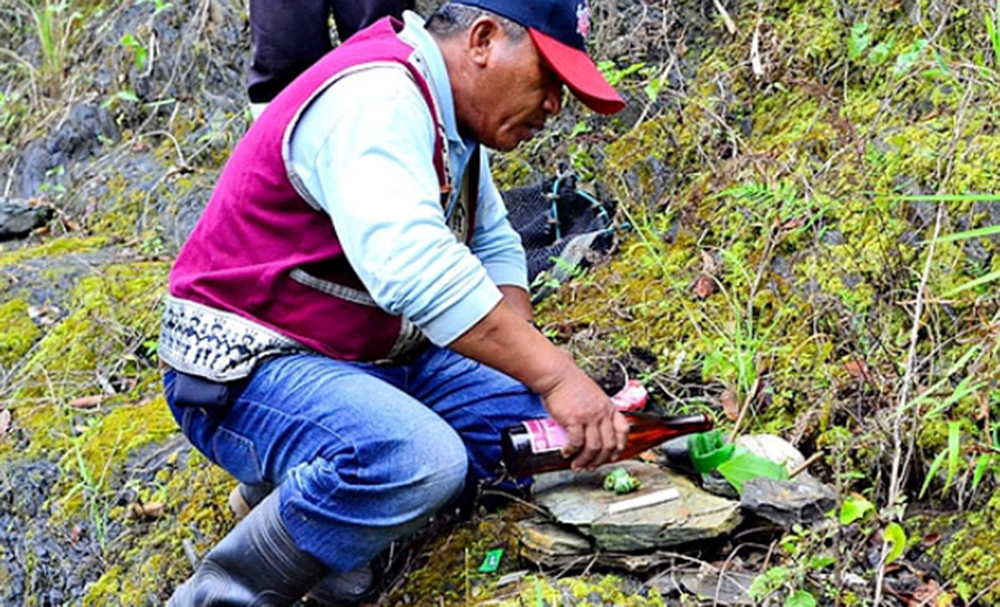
x=504, y=341
x=519, y=301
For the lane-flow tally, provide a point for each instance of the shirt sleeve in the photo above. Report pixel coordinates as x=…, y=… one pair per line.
x=364, y=151
x=495, y=242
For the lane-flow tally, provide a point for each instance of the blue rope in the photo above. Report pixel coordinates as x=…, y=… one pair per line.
x=602, y=211
x=595, y=205
x=554, y=196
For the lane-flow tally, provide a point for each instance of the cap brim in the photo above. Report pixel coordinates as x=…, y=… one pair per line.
x=579, y=73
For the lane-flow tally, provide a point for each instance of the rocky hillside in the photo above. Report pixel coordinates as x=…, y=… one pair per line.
x=804, y=190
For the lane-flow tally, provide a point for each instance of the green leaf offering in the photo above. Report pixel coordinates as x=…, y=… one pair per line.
x=745, y=466
x=708, y=450
x=621, y=482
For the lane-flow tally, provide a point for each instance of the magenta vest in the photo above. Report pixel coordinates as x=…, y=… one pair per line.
x=262, y=252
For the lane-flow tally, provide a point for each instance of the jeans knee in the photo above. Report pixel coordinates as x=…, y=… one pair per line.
x=436, y=468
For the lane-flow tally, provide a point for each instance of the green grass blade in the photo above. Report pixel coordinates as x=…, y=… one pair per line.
x=992, y=276
x=994, y=38
x=939, y=197
x=926, y=394
x=966, y=235
x=963, y=389
x=931, y=472
x=954, y=449
x=982, y=465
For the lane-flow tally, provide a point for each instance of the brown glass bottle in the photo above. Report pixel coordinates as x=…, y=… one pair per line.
x=534, y=446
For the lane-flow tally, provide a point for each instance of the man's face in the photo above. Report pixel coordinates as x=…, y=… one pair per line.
x=515, y=94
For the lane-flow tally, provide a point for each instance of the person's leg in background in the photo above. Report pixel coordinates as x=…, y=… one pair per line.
x=354, y=15
x=289, y=36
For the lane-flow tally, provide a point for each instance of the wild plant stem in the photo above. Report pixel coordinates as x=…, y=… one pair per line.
x=895, y=478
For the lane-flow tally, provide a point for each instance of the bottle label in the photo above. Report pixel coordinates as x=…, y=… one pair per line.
x=546, y=435
x=632, y=397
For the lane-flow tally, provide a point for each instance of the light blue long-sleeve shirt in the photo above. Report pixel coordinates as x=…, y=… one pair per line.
x=363, y=150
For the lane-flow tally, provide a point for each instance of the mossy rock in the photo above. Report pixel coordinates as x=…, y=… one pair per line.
x=969, y=558
x=19, y=332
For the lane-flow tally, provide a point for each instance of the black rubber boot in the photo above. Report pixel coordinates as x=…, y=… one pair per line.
x=336, y=589
x=257, y=565
x=342, y=589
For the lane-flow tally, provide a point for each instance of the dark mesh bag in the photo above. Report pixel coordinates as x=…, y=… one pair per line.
x=564, y=230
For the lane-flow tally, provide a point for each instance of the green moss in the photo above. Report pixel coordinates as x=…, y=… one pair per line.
x=153, y=560
x=19, y=332
x=970, y=560
x=451, y=572
x=110, y=317
x=124, y=209
x=595, y=590
x=51, y=249
x=813, y=28
x=98, y=453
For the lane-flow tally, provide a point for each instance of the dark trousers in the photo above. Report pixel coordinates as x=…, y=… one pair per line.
x=290, y=35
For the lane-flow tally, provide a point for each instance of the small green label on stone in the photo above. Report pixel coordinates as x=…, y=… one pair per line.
x=492, y=561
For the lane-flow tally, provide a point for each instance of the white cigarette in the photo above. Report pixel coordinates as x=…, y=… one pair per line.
x=657, y=497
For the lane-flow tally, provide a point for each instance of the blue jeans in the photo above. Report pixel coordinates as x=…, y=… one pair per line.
x=364, y=454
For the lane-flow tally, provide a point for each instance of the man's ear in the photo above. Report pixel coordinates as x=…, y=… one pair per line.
x=482, y=39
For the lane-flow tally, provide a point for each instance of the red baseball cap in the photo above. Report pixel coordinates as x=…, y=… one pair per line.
x=559, y=29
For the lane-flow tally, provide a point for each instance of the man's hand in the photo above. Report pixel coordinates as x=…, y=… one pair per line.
x=596, y=430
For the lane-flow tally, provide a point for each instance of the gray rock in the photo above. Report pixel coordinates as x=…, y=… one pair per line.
x=717, y=484
x=80, y=136
x=580, y=501
x=708, y=584
x=924, y=213
x=977, y=252
x=833, y=237
x=784, y=267
x=550, y=539
x=675, y=451
x=555, y=547
x=786, y=503
x=18, y=218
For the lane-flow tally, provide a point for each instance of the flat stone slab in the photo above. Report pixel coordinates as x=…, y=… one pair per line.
x=579, y=500
x=556, y=547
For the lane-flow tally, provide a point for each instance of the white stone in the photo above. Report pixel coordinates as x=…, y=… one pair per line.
x=774, y=448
